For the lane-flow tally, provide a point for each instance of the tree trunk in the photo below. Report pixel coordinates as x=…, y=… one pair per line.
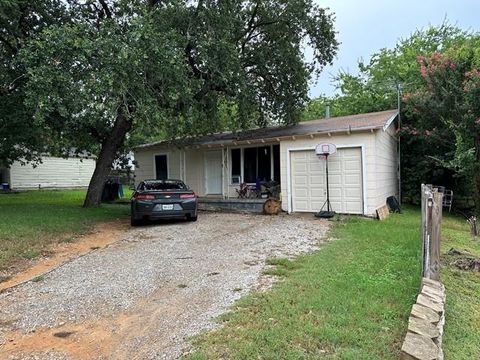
x=110, y=147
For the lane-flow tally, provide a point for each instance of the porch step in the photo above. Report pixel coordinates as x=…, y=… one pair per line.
x=236, y=205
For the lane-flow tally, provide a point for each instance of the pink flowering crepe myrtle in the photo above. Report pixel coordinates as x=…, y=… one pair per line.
x=433, y=63
x=430, y=66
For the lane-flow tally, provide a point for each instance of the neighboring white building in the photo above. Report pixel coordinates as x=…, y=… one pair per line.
x=52, y=173
x=363, y=172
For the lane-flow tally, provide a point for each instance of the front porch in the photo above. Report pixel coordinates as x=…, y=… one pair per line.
x=233, y=204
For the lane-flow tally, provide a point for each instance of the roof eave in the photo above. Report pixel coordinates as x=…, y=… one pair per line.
x=390, y=121
x=286, y=137
x=273, y=138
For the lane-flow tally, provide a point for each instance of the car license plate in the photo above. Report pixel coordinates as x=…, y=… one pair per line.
x=167, y=207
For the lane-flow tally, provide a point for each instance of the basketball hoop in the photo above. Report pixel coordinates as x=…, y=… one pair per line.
x=323, y=151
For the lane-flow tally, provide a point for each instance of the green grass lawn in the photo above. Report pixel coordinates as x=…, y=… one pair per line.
x=350, y=300
x=29, y=221
x=462, y=328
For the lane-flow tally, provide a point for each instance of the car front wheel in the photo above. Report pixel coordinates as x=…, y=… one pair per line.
x=192, y=217
x=135, y=222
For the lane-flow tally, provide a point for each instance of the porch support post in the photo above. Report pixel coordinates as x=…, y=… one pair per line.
x=227, y=175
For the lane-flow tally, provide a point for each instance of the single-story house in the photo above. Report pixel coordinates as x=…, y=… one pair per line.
x=362, y=173
x=52, y=173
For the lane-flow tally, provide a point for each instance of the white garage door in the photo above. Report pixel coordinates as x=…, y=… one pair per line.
x=309, y=184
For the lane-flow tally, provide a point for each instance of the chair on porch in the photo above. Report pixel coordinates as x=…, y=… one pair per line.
x=242, y=192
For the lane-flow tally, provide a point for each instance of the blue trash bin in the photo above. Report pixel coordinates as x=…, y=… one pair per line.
x=5, y=186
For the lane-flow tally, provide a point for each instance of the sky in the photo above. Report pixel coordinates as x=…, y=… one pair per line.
x=366, y=26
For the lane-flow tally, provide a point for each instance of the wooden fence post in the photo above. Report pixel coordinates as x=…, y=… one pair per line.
x=436, y=236
x=431, y=231
x=426, y=218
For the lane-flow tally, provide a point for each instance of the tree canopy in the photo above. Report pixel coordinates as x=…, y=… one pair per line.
x=450, y=104
x=109, y=69
x=20, y=20
x=374, y=86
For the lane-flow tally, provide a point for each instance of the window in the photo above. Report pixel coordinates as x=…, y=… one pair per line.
x=162, y=185
x=236, y=166
x=250, y=165
x=161, y=170
x=264, y=163
x=257, y=164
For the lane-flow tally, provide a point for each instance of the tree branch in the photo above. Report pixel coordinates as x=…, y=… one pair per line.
x=191, y=62
x=250, y=22
x=95, y=134
x=106, y=9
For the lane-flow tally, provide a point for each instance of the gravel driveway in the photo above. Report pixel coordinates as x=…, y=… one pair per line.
x=141, y=297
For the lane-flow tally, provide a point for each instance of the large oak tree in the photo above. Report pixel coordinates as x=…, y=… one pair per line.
x=115, y=67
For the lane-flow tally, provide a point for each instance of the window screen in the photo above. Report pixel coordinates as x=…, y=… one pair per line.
x=250, y=165
x=264, y=163
x=236, y=162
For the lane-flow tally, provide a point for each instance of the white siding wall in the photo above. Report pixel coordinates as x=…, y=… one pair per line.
x=365, y=139
x=145, y=159
x=386, y=169
x=52, y=173
x=195, y=171
x=144, y=168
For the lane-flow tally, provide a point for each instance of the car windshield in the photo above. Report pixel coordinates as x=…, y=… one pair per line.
x=162, y=185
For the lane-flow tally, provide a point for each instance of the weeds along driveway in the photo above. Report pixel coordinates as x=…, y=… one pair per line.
x=141, y=297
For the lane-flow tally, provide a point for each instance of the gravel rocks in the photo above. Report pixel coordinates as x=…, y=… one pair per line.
x=147, y=292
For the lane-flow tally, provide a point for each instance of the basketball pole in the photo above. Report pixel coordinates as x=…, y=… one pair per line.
x=328, y=187
x=325, y=150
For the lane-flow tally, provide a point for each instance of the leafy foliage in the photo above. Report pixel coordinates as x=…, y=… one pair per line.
x=171, y=68
x=175, y=63
x=432, y=150
x=450, y=100
x=20, y=20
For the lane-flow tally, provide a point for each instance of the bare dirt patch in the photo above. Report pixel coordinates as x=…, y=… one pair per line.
x=103, y=235
x=463, y=260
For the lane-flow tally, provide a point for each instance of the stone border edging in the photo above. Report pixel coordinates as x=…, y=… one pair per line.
x=425, y=325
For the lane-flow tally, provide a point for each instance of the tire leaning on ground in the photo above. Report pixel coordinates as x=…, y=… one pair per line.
x=192, y=218
x=272, y=206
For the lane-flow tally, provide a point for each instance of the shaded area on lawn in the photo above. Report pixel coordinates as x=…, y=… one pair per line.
x=29, y=221
x=350, y=300
x=462, y=324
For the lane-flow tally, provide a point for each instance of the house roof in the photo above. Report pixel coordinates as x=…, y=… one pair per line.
x=351, y=123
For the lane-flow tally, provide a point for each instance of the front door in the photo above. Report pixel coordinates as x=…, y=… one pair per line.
x=161, y=167
x=213, y=172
